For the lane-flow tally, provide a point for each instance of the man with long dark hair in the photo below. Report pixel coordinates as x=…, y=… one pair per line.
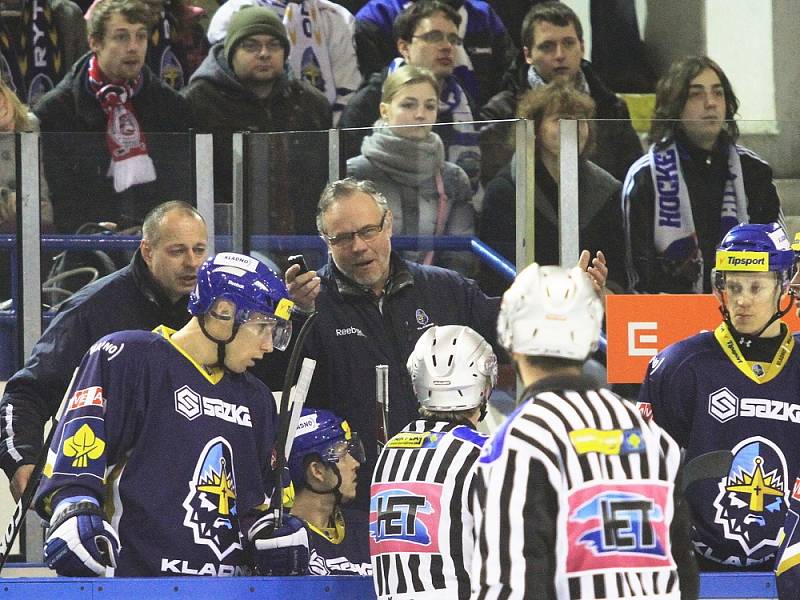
x=694, y=184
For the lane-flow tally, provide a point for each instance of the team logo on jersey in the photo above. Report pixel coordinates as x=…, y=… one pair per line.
x=81, y=447
x=618, y=525
x=404, y=517
x=752, y=499
x=171, y=70
x=311, y=71
x=40, y=85
x=211, y=509
x=723, y=405
x=191, y=405
x=91, y=396
x=84, y=446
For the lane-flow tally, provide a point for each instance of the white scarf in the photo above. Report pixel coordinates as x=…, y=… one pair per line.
x=674, y=235
x=309, y=58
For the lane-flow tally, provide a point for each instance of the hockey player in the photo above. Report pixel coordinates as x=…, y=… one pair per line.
x=324, y=465
x=161, y=462
x=736, y=389
x=575, y=494
x=421, y=536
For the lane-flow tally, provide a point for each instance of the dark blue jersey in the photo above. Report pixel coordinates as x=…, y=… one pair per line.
x=177, y=455
x=708, y=397
x=342, y=549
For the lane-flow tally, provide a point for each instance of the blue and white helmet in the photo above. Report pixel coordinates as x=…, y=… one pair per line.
x=255, y=290
x=321, y=433
x=754, y=248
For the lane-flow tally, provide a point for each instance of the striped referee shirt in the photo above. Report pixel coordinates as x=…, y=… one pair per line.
x=421, y=528
x=574, y=500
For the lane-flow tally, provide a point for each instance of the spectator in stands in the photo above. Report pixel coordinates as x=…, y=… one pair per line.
x=45, y=37
x=170, y=38
x=324, y=465
x=427, y=34
x=16, y=118
x=322, y=48
x=373, y=306
x=152, y=290
x=486, y=52
x=694, y=184
x=426, y=194
x=553, y=49
x=243, y=86
x=101, y=159
x=599, y=212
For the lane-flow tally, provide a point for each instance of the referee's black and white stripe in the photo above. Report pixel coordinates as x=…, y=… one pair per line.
x=521, y=497
x=451, y=463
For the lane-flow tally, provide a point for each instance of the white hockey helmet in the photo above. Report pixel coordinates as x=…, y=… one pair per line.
x=452, y=368
x=551, y=311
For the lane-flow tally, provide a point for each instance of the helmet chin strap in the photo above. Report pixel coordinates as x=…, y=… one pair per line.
x=201, y=319
x=779, y=313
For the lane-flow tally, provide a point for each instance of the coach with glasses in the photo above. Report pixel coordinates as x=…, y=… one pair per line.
x=373, y=306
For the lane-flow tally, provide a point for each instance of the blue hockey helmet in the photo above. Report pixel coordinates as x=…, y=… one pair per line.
x=753, y=248
x=257, y=292
x=321, y=434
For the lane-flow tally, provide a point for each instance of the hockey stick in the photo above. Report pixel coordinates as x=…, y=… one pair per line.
x=24, y=503
x=382, y=404
x=284, y=419
x=298, y=400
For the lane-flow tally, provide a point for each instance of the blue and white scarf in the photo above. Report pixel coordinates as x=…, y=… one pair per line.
x=674, y=233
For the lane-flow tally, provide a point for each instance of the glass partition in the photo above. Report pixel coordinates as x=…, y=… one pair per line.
x=10, y=200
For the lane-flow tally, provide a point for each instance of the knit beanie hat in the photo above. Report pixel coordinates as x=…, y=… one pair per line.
x=253, y=20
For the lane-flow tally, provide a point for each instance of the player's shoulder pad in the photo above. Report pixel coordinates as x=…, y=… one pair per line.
x=679, y=352
x=115, y=344
x=468, y=434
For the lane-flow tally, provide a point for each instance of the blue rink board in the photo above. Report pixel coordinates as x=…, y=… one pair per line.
x=722, y=585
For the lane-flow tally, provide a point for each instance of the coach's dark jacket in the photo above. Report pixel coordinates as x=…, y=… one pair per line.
x=353, y=333
x=127, y=299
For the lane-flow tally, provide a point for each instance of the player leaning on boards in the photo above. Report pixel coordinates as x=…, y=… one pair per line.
x=732, y=389
x=576, y=494
x=420, y=519
x=161, y=462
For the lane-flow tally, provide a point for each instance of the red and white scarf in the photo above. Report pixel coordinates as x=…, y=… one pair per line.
x=130, y=163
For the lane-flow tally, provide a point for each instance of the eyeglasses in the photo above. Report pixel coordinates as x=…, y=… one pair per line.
x=368, y=233
x=437, y=37
x=252, y=46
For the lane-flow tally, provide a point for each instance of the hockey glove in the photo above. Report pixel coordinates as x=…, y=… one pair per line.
x=80, y=542
x=282, y=551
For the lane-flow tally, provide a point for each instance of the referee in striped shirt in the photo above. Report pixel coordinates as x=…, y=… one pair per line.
x=575, y=492
x=421, y=533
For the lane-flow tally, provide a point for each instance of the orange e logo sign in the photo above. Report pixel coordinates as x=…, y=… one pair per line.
x=637, y=337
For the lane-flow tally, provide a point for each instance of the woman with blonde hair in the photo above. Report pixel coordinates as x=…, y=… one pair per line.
x=15, y=118
x=404, y=157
